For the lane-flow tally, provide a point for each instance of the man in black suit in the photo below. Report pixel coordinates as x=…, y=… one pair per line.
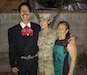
x=23, y=43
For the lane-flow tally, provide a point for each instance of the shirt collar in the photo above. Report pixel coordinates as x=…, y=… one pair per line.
x=23, y=25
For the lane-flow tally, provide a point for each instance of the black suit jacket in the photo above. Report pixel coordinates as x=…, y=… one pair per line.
x=22, y=45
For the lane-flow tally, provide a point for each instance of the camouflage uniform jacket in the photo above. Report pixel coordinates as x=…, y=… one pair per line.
x=46, y=41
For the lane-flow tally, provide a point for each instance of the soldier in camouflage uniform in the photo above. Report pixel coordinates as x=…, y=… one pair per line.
x=46, y=41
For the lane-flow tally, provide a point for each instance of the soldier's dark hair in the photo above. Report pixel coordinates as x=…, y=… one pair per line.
x=24, y=4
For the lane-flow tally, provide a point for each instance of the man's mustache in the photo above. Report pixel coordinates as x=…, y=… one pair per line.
x=25, y=14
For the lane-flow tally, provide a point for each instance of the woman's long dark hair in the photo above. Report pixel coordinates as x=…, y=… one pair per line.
x=65, y=42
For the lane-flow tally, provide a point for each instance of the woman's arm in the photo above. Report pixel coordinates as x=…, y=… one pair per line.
x=72, y=49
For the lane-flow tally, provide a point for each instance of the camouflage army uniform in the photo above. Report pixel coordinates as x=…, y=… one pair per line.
x=46, y=41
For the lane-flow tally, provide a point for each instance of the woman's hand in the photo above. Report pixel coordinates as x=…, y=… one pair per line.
x=72, y=40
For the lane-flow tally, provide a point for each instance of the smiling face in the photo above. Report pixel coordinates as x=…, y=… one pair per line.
x=62, y=30
x=44, y=23
x=24, y=13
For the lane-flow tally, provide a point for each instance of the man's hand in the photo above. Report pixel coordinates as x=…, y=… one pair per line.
x=14, y=69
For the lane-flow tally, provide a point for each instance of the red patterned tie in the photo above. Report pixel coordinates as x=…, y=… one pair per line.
x=27, y=31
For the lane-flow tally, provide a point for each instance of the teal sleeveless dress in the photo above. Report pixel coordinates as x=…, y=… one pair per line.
x=61, y=59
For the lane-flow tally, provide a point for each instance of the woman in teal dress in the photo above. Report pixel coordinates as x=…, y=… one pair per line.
x=64, y=53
